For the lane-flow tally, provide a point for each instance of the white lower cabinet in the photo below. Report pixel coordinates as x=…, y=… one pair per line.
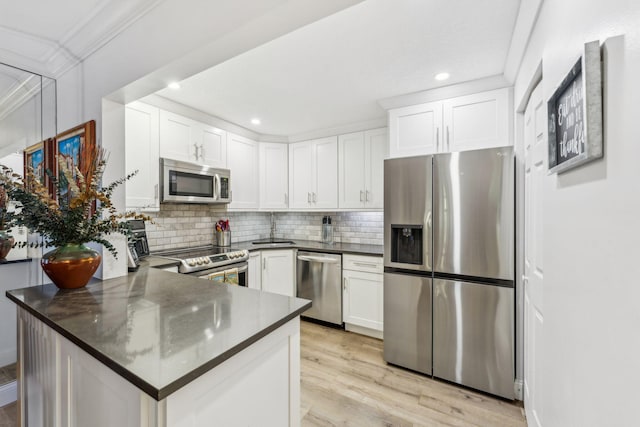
x=362, y=298
x=278, y=271
x=255, y=272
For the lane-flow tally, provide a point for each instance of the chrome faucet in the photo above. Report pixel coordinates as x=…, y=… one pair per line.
x=272, y=233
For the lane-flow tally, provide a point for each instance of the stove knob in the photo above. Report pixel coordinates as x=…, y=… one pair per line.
x=232, y=255
x=199, y=261
x=207, y=260
x=191, y=263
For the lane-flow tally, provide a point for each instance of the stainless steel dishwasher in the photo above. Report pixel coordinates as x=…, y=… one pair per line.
x=319, y=278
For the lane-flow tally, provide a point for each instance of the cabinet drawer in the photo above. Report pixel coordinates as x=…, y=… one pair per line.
x=370, y=264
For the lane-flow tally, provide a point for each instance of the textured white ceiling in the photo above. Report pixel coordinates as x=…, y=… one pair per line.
x=331, y=73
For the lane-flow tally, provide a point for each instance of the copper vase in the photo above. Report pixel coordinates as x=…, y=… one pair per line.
x=6, y=243
x=70, y=266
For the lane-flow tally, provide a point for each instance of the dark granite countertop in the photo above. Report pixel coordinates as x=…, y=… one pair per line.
x=156, y=329
x=336, y=248
x=157, y=262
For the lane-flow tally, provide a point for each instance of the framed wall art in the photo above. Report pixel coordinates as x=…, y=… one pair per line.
x=575, y=114
x=69, y=146
x=35, y=157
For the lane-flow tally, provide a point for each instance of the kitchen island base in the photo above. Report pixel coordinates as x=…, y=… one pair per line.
x=60, y=384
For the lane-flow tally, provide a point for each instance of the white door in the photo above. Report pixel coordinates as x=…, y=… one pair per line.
x=325, y=179
x=351, y=170
x=176, y=139
x=278, y=272
x=476, y=121
x=375, y=153
x=535, y=141
x=274, y=176
x=142, y=145
x=415, y=130
x=300, y=165
x=362, y=299
x=213, y=146
x=243, y=164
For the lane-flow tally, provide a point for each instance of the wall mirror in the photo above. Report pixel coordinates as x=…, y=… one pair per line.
x=27, y=116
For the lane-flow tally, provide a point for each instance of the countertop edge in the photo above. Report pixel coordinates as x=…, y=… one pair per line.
x=203, y=369
x=164, y=392
x=15, y=261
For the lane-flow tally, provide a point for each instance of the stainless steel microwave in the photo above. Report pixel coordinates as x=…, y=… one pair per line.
x=184, y=182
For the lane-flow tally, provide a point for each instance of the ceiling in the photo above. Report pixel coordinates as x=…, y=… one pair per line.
x=333, y=72
x=325, y=75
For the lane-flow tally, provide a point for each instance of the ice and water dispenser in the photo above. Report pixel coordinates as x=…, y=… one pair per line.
x=406, y=244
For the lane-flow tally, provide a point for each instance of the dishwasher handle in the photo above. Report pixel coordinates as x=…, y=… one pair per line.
x=325, y=260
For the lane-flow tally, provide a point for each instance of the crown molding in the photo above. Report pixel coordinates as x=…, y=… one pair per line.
x=52, y=58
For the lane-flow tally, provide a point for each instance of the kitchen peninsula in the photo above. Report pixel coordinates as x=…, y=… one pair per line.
x=158, y=349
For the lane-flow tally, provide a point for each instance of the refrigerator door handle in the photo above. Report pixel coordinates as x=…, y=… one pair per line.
x=448, y=141
x=437, y=138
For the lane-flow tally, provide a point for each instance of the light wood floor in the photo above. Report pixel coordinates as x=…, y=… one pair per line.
x=345, y=382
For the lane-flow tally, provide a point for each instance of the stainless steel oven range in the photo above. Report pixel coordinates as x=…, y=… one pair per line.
x=212, y=263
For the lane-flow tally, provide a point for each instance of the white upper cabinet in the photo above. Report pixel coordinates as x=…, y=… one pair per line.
x=313, y=174
x=182, y=138
x=142, y=145
x=213, y=145
x=415, y=130
x=360, y=169
x=471, y=122
x=274, y=176
x=242, y=160
x=477, y=121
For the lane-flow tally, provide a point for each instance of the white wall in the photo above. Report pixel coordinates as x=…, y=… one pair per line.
x=592, y=227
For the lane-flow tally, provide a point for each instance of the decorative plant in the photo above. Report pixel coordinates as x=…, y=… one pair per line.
x=4, y=201
x=82, y=210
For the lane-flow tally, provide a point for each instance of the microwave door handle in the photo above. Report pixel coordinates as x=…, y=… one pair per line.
x=216, y=187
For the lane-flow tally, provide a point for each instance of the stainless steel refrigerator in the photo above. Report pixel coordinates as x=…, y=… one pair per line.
x=449, y=298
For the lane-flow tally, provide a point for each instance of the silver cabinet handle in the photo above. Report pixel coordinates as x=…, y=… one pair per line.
x=365, y=264
x=285, y=198
x=448, y=141
x=155, y=191
x=196, y=150
x=324, y=260
x=202, y=151
x=361, y=195
x=437, y=139
x=366, y=196
x=264, y=264
x=315, y=199
x=344, y=284
x=308, y=197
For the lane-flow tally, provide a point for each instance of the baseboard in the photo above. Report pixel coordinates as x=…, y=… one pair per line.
x=363, y=331
x=8, y=393
x=517, y=388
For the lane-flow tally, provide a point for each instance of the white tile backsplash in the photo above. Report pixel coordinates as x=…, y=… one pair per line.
x=183, y=225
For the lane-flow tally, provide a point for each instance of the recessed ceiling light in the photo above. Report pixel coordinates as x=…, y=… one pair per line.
x=174, y=85
x=442, y=76
x=255, y=121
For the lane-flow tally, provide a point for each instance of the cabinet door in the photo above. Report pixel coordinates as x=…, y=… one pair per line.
x=278, y=272
x=351, y=170
x=176, y=139
x=255, y=271
x=477, y=121
x=376, y=143
x=415, y=130
x=362, y=299
x=325, y=173
x=274, y=176
x=300, y=164
x=243, y=163
x=142, y=147
x=212, y=145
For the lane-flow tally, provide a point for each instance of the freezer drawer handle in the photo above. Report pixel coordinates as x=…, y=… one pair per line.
x=318, y=259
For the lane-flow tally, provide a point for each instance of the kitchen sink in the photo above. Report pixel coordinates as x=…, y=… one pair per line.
x=273, y=242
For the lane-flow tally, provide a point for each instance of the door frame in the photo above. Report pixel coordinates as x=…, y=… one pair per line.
x=519, y=126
